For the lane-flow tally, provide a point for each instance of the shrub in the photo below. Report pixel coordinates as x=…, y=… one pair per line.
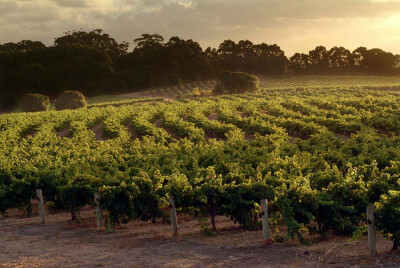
x=241, y=202
x=235, y=82
x=147, y=203
x=388, y=217
x=70, y=100
x=51, y=207
x=4, y=201
x=118, y=201
x=20, y=193
x=34, y=103
x=76, y=196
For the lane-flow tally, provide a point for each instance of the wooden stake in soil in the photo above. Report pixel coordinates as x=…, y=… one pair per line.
x=265, y=224
x=98, y=210
x=39, y=196
x=371, y=230
x=173, y=218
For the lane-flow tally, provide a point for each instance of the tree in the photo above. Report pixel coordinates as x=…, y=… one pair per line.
x=149, y=41
x=95, y=39
x=270, y=59
x=340, y=60
x=228, y=55
x=374, y=61
x=319, y=60
x=209, y=193
x=299, y=63
x=22, y=46
x=187, y=59
x=235, y=83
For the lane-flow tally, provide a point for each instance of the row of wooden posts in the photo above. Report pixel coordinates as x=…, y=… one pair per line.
x=174, y=222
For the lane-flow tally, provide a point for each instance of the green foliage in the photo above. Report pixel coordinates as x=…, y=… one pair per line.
x=196, y=92
x=70, y=100
x=51, y=207
x=205, y=227
x=208, y=193
x=118, y=201
x=95, y=61
x=359, y=233
x=241, y=201
x=235, y=82
x=20, y=193
x=4, y=201
x=179, y=187
x=318, y=156
x=388, y=216
x=147, y=203
x=75, y=196
x=34, y=103
x=298, y=207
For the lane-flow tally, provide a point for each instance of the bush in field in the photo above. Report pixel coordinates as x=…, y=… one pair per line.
x=235, y=82
x=388, y=217
x=148, y=202
x=20, y=193
x=76, y=196
x=70, y=100
x=208, y=194
x=241, y=202
x=4, y=201
x=34, y=103
x=118, y=201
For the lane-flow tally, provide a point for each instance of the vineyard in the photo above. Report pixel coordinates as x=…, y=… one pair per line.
x=320, y=150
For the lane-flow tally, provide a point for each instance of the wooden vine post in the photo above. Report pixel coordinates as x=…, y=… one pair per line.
x=39, y=196
x=265, y=225
x=173, y=218
x=99, y=215
x=371, y=230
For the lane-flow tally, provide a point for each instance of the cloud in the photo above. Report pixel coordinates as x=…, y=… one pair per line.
x=71, y=3
x=296, y=25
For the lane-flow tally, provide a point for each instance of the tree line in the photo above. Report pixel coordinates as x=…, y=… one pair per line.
x=95, y=63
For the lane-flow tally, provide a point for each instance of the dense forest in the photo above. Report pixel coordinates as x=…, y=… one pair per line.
x=94, y=63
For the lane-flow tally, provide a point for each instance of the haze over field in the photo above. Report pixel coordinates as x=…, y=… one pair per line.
x=297, y=26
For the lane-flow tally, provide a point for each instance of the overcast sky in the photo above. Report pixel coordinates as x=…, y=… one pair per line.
x=295, y=25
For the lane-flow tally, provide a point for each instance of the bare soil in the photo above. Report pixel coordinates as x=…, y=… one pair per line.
x=213, y=116
x=249, y=136
x=134, y=135
x=98, y=132
x=169, y=131
x=241, y=114
x=208, y=134
x=65, y=132
x=29, y=133
x=62, y=243
x=343, y=137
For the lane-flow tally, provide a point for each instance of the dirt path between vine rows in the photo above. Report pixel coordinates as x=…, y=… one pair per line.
x=62, y=243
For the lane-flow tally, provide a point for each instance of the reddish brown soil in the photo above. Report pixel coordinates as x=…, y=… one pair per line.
x=249, y=137
x=29, y=133
x=65, y=132
x=213, y=116
x=242, y=114
x=208, y=134
x=343, y=137
x=134, y=135
x=62, y=243
x=98, y=132
x=169, y=131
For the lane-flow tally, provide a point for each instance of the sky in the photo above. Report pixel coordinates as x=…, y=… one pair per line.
x=295, y=25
